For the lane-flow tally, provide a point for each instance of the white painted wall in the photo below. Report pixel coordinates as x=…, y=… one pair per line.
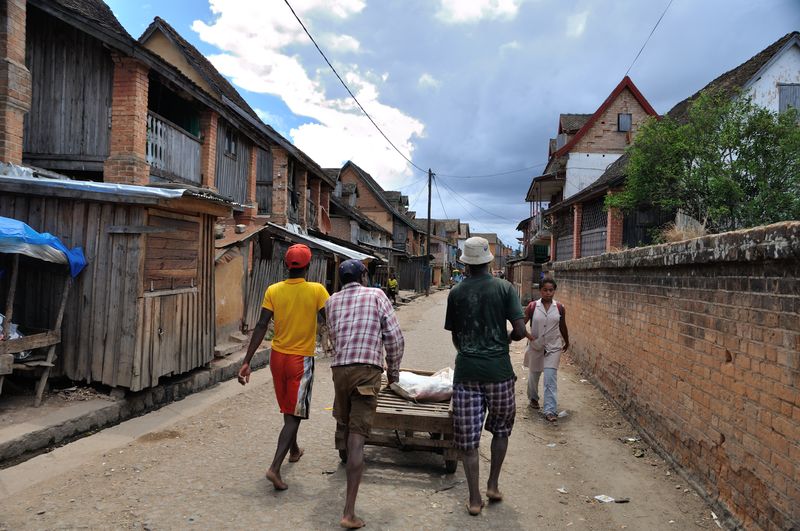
x=584, y=168
x=784, y=69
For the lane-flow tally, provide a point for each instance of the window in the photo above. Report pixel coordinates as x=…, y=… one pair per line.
x=624, y=122
x=788, y=96
x=230, y=142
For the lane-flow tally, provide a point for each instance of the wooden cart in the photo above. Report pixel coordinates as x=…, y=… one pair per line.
x=34, y=338
x=406, y=425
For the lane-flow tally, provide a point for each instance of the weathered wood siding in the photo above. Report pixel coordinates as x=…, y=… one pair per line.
x=171, y=151
x=232, y=170
x=114, y=330
x=264, y=181
x=71, y=75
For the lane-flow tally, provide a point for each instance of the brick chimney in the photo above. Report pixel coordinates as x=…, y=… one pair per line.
x=15, y=80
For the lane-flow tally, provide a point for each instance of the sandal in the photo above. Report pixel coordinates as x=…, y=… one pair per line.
x=551, y=417
x=533, y=404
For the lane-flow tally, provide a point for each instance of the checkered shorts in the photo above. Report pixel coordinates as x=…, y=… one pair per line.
x=470, y=402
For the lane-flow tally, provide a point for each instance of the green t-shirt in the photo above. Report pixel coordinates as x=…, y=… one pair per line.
x=478, y=309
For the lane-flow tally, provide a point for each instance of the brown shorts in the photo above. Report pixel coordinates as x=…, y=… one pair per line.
x=356, y=390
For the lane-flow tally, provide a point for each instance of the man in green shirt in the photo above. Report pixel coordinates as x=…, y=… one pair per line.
x=477, y=311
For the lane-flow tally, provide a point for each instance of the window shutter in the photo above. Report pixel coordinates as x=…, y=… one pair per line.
x=788, y=96
x=624, y=121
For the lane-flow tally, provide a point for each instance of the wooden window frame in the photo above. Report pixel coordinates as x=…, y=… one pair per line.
x=619, y=122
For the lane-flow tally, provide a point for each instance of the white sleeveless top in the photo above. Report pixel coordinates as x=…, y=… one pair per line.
x=545, y=351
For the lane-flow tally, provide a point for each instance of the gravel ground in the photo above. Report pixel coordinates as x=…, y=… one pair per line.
x=208, y=471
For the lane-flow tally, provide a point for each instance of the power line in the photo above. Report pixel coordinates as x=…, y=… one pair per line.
x=648, y=37
x=351, y=92
x=476, y=205
x=508, y=172
x=439, y=194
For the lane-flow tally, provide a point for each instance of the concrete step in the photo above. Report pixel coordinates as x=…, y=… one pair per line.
x=239, y=337
x=225, y=349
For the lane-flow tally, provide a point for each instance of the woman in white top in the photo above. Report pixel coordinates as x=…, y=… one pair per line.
x=548, y=338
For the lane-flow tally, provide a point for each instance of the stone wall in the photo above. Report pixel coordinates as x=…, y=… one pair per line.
x=699, y=342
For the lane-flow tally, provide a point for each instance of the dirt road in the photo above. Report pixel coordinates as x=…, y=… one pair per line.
x=205, y=469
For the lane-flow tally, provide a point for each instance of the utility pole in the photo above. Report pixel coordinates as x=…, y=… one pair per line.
x=428, y=269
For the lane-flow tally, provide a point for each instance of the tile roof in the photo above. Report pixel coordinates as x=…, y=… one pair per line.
x=98, y=12
x=570, y=122
x=736, y=78
x=379, y=192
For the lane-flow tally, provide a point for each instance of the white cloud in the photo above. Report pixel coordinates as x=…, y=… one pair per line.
x=510, y=47
x=252, y=35
x=427, y=81
x=466, y=11
x=340, y=43
x=576, y=24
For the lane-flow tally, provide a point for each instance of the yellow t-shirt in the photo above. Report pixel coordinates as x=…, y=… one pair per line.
x=294, y=304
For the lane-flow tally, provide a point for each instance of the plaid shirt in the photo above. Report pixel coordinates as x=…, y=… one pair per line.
x=361, y=323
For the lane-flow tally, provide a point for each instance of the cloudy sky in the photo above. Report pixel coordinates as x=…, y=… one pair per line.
x=465, y=87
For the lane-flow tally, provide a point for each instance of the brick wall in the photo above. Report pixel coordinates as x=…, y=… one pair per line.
x=208, y=151
x=280, y=190
x=15, y=80
x=367, y=202
x=127, y=162
x=699, y=342
x=603, y=137
x=340, y=228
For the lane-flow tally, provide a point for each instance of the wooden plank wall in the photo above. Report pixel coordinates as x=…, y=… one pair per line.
x=100, y=319
x=71, y=76
x=232, y=171
x=176, y=326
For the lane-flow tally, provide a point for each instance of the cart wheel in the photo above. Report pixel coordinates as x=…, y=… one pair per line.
x=343, y=456
x=450, y=465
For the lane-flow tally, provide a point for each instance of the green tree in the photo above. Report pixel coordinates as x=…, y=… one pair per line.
x=732, y=164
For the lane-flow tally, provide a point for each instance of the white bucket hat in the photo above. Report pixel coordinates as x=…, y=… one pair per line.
x=476, y=251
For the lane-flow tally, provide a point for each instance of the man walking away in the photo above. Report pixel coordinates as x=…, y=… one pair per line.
x=294, y=304
x=393, y=287
x=362, y=323
x=477, y=311
x=548, y=338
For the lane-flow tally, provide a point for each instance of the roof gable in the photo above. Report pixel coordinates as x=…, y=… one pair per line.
x=377, y=191
x=626, y=83
x=740, y=77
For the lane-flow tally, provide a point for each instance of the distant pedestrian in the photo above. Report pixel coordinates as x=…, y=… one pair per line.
x=393, y=287
x=362, y=324
x=294, y=304
x=478, y=309
x=548, y=338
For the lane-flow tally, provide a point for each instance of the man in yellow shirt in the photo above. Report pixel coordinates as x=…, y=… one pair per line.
x=394, y=287
x=294, y=304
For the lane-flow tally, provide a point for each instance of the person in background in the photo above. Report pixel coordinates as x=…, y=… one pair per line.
x=478, y=310
x=362, y=324
x=393, y=287
x=548, y=338
x=294, y=304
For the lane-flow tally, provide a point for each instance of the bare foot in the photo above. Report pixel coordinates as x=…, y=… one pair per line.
x=474, y=510
x=276, y=480
x=352, y=523
x=293, y=458
x=494, y=495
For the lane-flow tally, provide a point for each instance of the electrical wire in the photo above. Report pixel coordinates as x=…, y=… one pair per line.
x=439, y=194
x=350, y=91
x=476, y=205
x=648, y=37
x=486, y=175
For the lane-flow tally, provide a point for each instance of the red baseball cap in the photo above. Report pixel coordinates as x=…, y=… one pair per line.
x=297, y=256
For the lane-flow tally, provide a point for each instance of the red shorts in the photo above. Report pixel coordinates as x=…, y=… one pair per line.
x=292, y=376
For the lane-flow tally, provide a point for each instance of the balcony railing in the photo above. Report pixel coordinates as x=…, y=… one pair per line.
x=171, y=151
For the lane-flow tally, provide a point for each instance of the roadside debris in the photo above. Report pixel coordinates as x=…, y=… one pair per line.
x=630, y=440
x=638, y=453
x=563, y=414
x=604, y=498
x=562, y=490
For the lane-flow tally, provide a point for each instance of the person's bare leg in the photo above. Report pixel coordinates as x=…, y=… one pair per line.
x=355, y=469
x=288, y=434
x=472, y=471
x=499, y=448
x=295, y=452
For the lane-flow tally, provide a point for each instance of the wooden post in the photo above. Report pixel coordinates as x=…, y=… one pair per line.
x=51, y=351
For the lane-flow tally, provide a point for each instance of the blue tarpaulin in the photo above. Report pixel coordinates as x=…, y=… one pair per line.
x=18, y=238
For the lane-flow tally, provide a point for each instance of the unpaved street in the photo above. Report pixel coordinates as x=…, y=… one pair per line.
x=206, y=469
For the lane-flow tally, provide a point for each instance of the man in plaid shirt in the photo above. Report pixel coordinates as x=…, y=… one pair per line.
x=362, y=324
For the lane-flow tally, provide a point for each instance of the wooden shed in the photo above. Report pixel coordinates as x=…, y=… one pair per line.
x=144, y=306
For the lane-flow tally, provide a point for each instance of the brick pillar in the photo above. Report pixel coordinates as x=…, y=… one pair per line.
x=552, y=238
x=127, y=161
x=613, y=228
x=280, y=189
x=324, y=206
x=208, y=151
x=15, y=80
x=577, y=210
x=315, y=185
x=301, y=182
x=250, y=212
